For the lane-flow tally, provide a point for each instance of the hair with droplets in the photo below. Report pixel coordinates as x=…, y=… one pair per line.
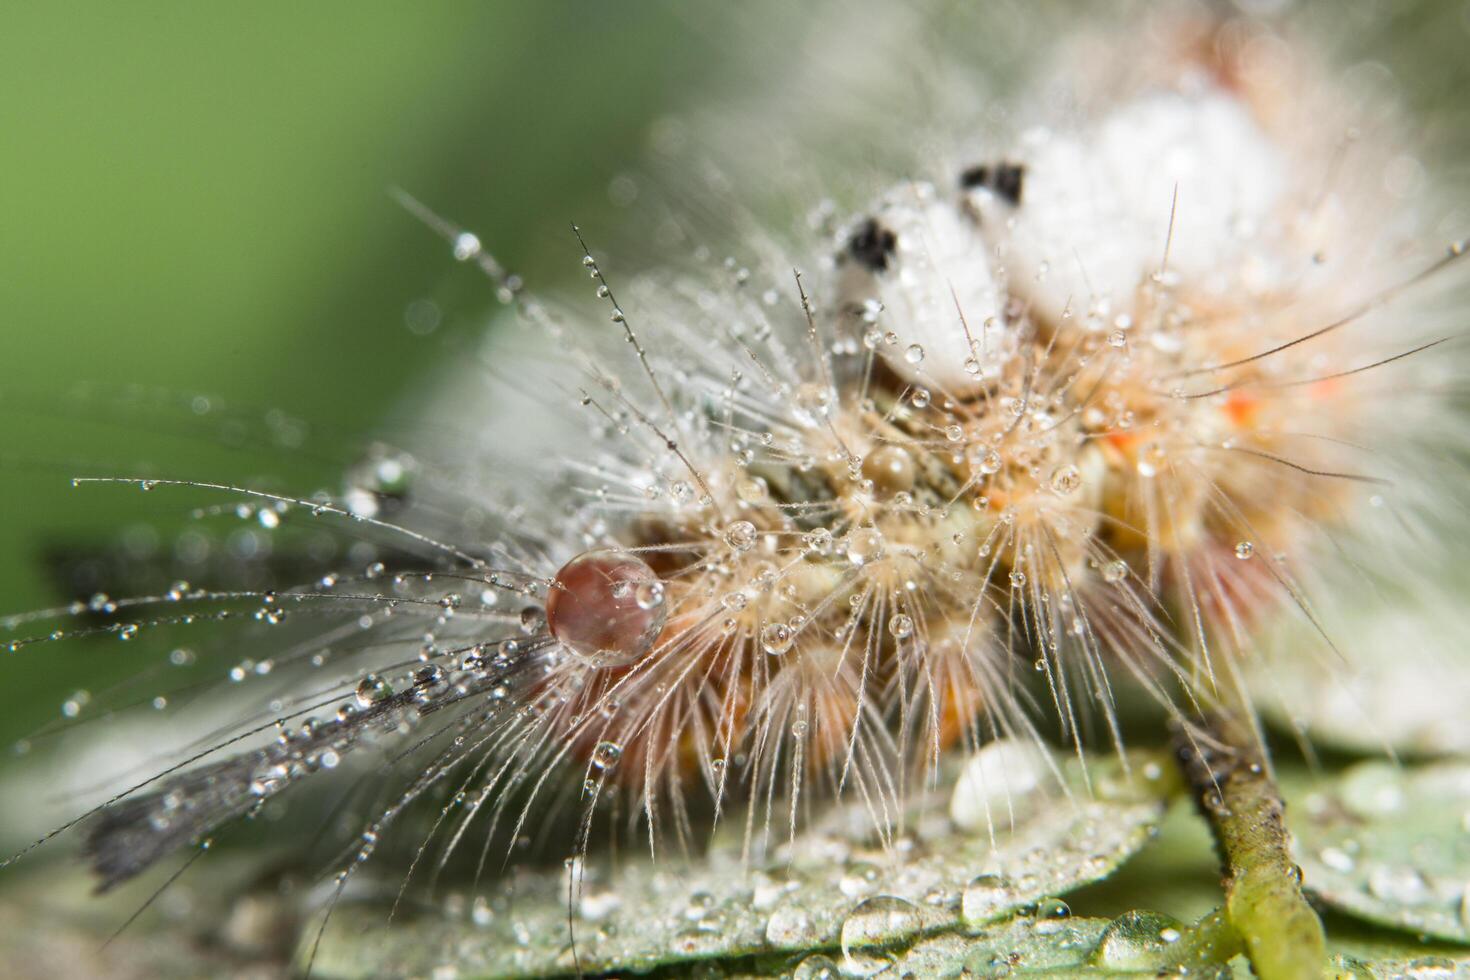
x=1084, y=404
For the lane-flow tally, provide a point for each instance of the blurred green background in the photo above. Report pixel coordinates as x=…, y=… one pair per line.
x=195, y=198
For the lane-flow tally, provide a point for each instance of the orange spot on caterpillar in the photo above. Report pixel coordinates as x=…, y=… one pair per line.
x=1326, y=388
x=1241, y=407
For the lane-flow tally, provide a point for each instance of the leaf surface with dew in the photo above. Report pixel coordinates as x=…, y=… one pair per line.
x=831, y=889
x=1389, y=844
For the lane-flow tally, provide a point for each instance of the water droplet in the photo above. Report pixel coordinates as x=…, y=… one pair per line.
x=741, y=535
x=1051, y=915
x=816, y=967
x=901, y=626
x=606, y=755
x=859, y=879
x=1005, y=777
x=1115, y=571
x=815, y=398
x=891, y=468
x=1399, y=884
x=649, y=595
x=1373, y=791
x=1149, y=461
x=790, y=927
x=988, y=462
x=776, y=638
x=752, y=489
x=371, y=690
x=1066, y=479
x=1244, y=550
x=1018, y=579
x=1430, y=968
x=818, y=541
x=603, y=605
x=429, y=680
x=1337, y=859
x=864, y=545
x=466, y=246
x=73, y=705
x=533, y=619
x=914, y=354
x=699, y=905
x=874, y=925
x=1135, y=941
x=986, y=898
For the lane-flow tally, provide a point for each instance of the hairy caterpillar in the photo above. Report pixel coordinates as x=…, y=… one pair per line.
x=1081, y=408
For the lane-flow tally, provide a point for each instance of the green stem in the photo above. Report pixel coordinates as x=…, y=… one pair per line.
x=1224, y=767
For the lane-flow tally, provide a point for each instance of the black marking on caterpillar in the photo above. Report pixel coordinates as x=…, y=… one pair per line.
x=871, y=245
x=1003, y=179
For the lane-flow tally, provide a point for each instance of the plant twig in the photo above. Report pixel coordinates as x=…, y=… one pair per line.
x=1234, y=789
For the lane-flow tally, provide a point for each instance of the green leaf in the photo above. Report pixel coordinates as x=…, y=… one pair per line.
x=1390, y=844
x=1037, y=945
x=832, y=889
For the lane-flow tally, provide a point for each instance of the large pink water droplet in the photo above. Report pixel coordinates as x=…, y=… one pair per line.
x=607, y=606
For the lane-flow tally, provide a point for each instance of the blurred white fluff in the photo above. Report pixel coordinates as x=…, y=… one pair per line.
x=1100, y=214
x=940, y=289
